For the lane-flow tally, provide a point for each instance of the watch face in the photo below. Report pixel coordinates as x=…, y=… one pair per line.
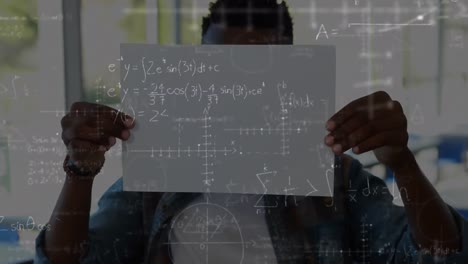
x=70, y=167
x=81, y=171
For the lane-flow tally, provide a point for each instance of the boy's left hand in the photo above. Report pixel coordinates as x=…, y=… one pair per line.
x=374, y=122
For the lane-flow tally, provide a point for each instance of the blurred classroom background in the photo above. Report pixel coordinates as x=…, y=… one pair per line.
x=55, y=52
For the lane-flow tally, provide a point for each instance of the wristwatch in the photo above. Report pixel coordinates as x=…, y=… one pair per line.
x=71, y=169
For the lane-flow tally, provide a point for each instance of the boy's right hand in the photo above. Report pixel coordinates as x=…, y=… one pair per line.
x=89, y=130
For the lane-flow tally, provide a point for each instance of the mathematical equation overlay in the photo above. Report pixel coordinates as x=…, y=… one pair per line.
x=228, y=119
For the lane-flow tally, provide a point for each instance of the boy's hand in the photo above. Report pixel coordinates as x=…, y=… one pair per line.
x=89, y=130
x=374, y=122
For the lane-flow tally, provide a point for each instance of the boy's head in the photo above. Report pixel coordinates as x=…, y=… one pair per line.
x=247, y=22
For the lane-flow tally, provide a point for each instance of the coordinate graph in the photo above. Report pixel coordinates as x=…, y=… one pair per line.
x=216, y=115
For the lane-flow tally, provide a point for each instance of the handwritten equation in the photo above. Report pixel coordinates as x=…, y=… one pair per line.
x=210, y=118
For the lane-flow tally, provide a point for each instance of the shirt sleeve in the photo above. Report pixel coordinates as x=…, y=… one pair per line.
x=462, y=255
x=379, y=229
x=115, y=230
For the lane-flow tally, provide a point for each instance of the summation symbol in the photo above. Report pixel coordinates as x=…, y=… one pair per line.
x=265, y=178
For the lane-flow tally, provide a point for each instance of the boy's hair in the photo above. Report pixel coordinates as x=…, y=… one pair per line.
x=258, y=14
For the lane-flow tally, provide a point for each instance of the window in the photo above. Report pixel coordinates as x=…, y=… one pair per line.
x=31, y=92
x=31, y=81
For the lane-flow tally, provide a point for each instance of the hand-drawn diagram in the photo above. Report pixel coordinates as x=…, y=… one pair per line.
x=211, y=118
x=207, y=225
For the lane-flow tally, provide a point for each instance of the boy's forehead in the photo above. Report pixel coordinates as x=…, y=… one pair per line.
x=217, y=34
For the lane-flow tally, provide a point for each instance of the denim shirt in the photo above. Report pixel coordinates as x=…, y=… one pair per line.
x=360, y=224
